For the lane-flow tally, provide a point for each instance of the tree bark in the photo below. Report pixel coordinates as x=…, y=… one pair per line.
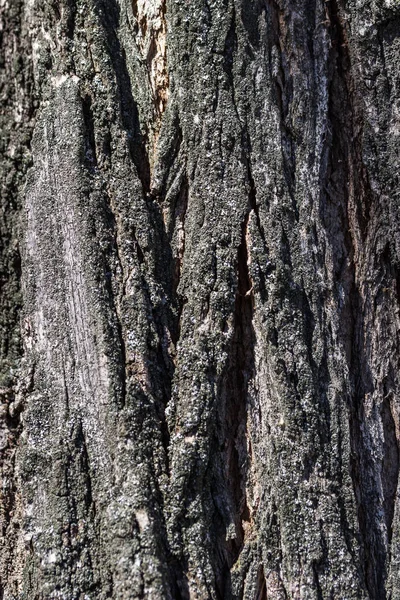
x=199, y=309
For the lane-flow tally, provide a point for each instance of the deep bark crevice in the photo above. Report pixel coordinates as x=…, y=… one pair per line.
x=230, y=48
x=233, y=417
x=348, y=114
x=167, y=157
x=70, y=19
x=90, y=150
x=253, y=201
x=81, y=511
x=261, y=587
x=390, y=463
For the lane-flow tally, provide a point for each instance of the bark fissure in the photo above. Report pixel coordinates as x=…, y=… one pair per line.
x=90, y=150
x=180, y=209
x=253, y=202
x=261, y=589
x=390, y=463
x=234, y=392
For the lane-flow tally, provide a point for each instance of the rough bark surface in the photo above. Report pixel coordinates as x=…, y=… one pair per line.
x=199, y=309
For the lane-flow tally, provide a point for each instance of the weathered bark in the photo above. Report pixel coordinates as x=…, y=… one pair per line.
x=200, y=346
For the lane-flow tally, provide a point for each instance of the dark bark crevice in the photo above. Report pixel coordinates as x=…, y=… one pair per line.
x=12, y=406
x=261, y=586
x=80, y=529
x=253, y=199
x=161, y=311
x=390, y=463
x=168, y=155
x=229, y=49
x=233, y=435
x=70, y=10
x=90, y=149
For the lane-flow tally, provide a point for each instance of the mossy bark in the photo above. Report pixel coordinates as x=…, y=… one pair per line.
x=199, y=310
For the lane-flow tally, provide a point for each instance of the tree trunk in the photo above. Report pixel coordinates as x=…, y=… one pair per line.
x=199, y=310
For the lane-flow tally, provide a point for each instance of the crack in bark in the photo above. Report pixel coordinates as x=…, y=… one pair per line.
x=233, y=413
x=253, y=202
x=390, y=462
x=229, y=49
x=69, y=10
x=261, y=587
x=90, y=150
x=81, y=512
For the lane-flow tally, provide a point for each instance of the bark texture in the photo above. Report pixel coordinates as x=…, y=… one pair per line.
x=200, y=346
